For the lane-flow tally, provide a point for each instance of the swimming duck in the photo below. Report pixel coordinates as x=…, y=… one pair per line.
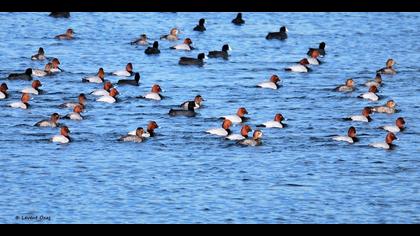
x=105, y=91
x=40, y=56
x=150, y=130
x=389, y=68
x=69, y=35
x=138, y=138
x=238, y=20
x=75, y=115
x=281, y=35
x=301, y=67
x=388, y=142
x=135, y=82
x=55, y=62
x=110, y=98
x=184, y=46
x=244, y=134
x=255, y=141
x=190, y=112
x=347, y=87
x=388, y=108
x=172, y=36
x=371, y=95
x=239, y=117
x=377, y=81
x=196, y=104
x=222, y=54
x=193, y=61
x=399, y=126
x=45, y=72
x=320, y=50
x=81, y=101
x=60, y=14
x=272, y=84
x=127, y=72
x=52, y=122
x=362, y=118
x=23, y=104
x=276, y=123
x=154, y=93
x=64, y=136
x=97, y=79
x=153, y=50
x=141, y=41
x=21, y=76
x=3, y=91
x=200, y=27
x=34, y=89
x=313, y=59
x=350, y=138
x=224, y=131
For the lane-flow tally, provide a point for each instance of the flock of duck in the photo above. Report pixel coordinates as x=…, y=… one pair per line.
x=108, y=93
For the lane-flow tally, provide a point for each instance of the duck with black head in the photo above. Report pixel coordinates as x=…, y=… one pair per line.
x=200, y=27
x=281, y=35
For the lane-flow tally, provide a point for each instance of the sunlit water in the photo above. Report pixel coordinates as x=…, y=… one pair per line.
x=183, y=175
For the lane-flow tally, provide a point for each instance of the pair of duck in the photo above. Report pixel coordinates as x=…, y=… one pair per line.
x=349, y=85
x=26, y=94
x=139, y=135
x=240, y=138
x=224, y=53
x=188, y=108
x=313, y=53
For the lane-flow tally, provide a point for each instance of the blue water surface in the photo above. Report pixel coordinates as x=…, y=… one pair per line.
x=183, y=175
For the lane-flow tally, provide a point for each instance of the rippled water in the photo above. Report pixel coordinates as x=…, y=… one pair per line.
x=184, y=175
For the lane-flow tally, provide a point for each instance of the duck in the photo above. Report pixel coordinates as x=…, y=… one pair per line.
x=389, y=107
x=320, y=49
x=172, y=36
x=301, y=67
x=52, y=122
x=281, y=35
x=21, y=76
x=377, y=81
x=3, y=91
x=399, y=126
x=389, y=70
x=190, y=112
x=347, y=87
x=274, y=83
x=193, y=61
x=81, y=101
x=276, y=123
x=365, y=117
x=371, y=95
x=244, y=134
x=110, y=98
x=153, y=50
x=105, y=91
x=69, y=35
x=23, y=104
x=186, y=45
x=200, y=27
x=313, y=58
x=75, y=115
x=141, y=41
x=154, y=93
x=350, y=138
x=34, y=89
x=99, y=78
x=138, y=138
x=134, y=82
x=196, y=103
x=127, y=72
x=388, y=142
x=60, y=14
x=224, y=131
x=64, y=136
x=40, y=56
x=254, y=141
x=220, y=54
x=55, y=62
x=41, y=73
x=238, y=20
x=239, y=117
x=150, y=130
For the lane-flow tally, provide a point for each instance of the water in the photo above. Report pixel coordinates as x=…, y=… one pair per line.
x=184, y=175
